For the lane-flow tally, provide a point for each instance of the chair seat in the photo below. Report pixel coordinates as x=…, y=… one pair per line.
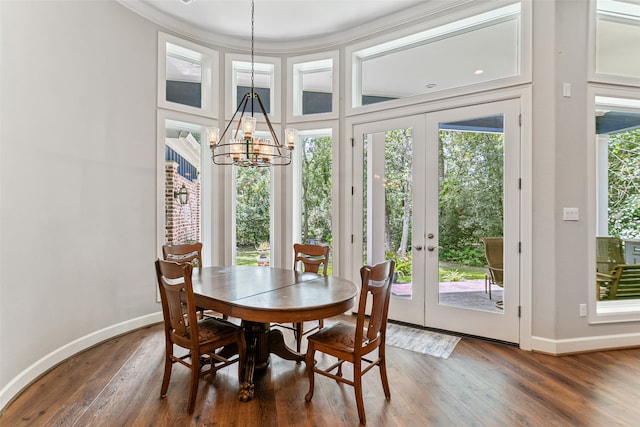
x=212, y=329
x=340, y=336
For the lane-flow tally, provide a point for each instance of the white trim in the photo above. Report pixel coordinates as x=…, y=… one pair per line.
x=584, y=344
x=51, y=360
x=208, y=59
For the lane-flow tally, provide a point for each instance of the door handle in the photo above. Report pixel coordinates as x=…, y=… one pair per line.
x=418, y=248
x=431, y=248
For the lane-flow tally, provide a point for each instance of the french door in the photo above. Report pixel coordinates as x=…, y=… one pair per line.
x=432, y=187
x=389, y=210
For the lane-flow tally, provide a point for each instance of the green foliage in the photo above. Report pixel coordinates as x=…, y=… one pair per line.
x=316, y=189
x=398, y=186
x=252, y=206
x=403, y=262
x=471, y=193
x=453, y=276
x=624, y=184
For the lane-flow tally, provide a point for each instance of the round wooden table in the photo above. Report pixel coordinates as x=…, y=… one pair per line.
x=261, y=295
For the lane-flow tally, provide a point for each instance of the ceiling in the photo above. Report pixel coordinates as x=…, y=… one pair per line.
x=301, y=26
x=280, y=22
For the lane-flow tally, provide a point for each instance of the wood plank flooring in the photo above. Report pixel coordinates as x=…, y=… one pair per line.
x=117, y=383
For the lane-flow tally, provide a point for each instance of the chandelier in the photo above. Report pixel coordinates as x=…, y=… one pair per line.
x=243, y=148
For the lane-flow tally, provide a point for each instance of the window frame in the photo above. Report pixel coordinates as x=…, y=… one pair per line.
x=593, y=75
x=275, y=96
x=353, y=81
x=294, y=90
x=614, y=311
x=209, y=61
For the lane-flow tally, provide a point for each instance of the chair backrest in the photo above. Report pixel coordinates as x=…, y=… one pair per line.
x=625, y=282
x=178, y=302
x=311, y=257
x=608, y=254
x=184, y=253
x=376, y=282
x=494, y=252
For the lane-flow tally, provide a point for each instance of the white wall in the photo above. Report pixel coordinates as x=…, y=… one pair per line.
x=78, y=221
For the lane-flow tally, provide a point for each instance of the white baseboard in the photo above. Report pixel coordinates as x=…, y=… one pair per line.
x=40, y=367
x=586, y=344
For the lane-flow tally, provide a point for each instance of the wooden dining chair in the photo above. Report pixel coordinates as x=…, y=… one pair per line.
x=352, y=343
x=311, y=259
x=184, y=253
x=187, y=253
x=183, y=329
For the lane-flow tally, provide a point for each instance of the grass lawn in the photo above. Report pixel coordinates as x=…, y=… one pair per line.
x=447, y=272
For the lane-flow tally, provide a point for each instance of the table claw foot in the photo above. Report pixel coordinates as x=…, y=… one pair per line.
x=246, y=391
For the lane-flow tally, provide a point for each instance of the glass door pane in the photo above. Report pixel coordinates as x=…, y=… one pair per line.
x=471, y=200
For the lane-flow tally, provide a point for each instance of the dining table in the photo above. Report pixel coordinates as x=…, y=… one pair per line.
x=260, y=296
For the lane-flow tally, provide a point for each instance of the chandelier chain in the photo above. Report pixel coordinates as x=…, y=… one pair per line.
x=252, y=43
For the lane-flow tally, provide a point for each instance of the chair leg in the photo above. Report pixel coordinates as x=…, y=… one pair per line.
x=298, y=333
x=309, y=360
x=383, y=372
x=166, y=377
x=195, y=378
x=357, y=385
x=168, y=364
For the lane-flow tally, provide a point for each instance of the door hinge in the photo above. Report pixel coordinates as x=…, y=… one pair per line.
x=519, y=119
x=519, y=311
x=519, y=247
x=519, y=183
x=352, y=239
x=353, y=144
x=352, y=190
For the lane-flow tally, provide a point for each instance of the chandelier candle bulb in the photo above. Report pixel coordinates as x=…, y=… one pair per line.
x=291, y=135
x=213, y=136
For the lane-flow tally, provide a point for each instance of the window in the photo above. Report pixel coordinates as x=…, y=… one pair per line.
x=253, y=214
x=266, y=74
x=617, y=199
x=182, y=169
x=486, y=47
x=313, y=86
x=617, y=39
x=185, y=76
x=313, y=165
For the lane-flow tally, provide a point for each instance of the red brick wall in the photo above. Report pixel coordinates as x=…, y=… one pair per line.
x=182, y=222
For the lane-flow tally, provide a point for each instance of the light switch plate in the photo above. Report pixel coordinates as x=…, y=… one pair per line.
x=571, y=214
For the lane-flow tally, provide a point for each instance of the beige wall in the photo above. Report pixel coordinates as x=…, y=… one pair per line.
x=78, y=180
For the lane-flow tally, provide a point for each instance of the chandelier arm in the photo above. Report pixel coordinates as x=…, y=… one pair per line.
x=276, y=143
x=242, y=105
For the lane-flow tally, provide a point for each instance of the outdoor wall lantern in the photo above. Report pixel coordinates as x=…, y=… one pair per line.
x=182, y=195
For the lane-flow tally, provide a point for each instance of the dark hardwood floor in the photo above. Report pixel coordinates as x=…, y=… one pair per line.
x=482, y=384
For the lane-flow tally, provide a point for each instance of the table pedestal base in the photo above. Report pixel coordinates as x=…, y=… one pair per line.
x=261, y=342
